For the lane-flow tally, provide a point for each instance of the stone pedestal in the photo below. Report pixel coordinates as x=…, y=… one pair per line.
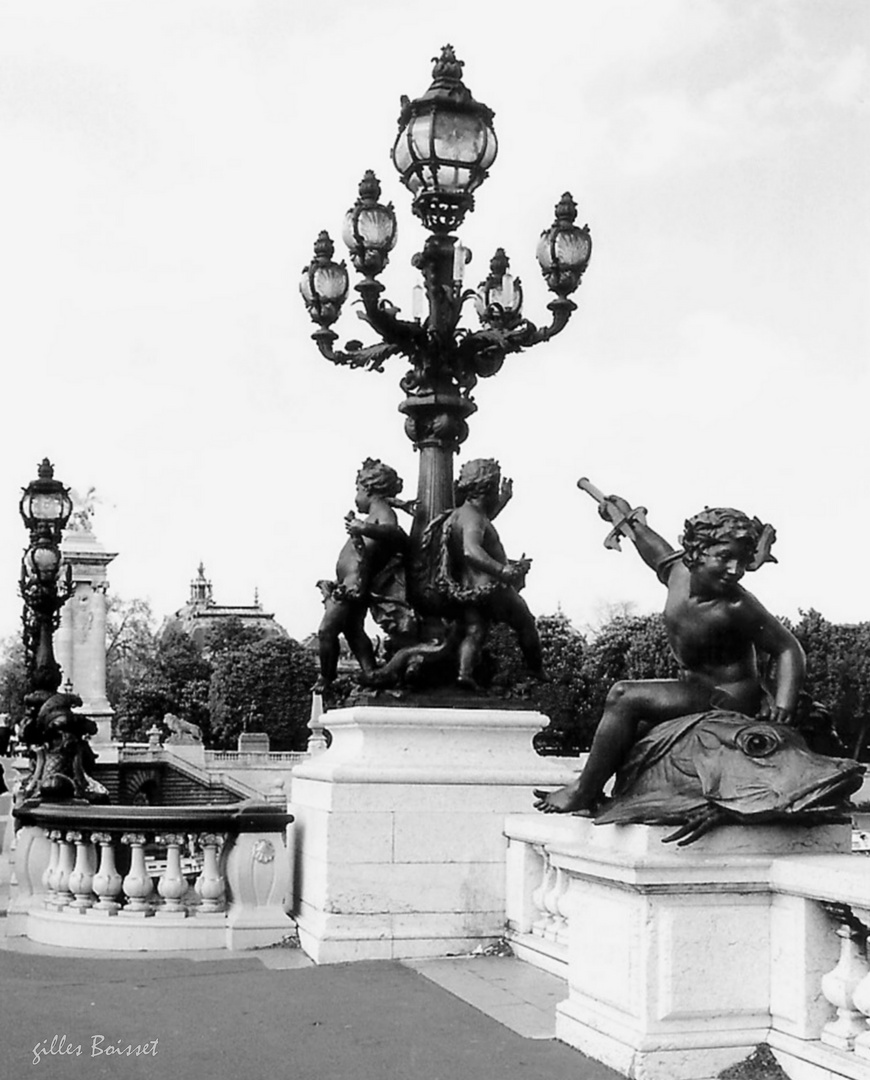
x=400, y=828
x=669, y=949
x=80, y=642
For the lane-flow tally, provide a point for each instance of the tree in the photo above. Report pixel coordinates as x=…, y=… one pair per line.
x=230, y=635
x=267, y=681
x=564, y=698
x=131, y=644
x=579, y=673
x=13, y=678
x=838, y=675
x=605, y=611
x=176, y=680
x=628, y=647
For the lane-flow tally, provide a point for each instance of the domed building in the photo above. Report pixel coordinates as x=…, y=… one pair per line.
x=201, y=614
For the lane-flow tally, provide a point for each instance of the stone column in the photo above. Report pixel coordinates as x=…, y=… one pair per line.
x=81, y=637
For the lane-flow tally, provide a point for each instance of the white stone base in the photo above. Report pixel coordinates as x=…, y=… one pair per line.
x=652, y=1058
x=812, y=1060
x=547, y=955
x=161, y=931
x=123, y=933
x=400, y=828
x=669, y=949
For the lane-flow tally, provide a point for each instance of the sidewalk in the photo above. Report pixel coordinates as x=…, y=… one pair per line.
x=272, y=1014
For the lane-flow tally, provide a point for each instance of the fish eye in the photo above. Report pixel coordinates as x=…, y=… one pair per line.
x=758, y=742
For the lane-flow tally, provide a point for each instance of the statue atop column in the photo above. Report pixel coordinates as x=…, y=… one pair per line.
x=84, y=504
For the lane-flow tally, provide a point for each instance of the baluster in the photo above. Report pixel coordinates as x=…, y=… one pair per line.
x=563, y=904
x=539, y=926
x=861, y=1001
x=172, y=884
x=137, y=885
x=107, y=880
x=192, y=899
x=49, y=877
x=210, y=884
x=82, y=877
x=64, y=870
x=839, y=984
x=861, y=996
x=551, y=903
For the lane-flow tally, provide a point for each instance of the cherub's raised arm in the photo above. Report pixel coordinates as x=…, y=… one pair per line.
x=652, y=548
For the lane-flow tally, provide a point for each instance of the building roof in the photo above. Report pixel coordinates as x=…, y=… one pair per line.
x=201, y=614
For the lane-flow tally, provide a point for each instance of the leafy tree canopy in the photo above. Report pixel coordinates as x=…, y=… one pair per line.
x=131, y=644
x=243, y=680
x=230, y=635
x=838, y=675
x=262, y=686
x=176, y=680
x=13, y=678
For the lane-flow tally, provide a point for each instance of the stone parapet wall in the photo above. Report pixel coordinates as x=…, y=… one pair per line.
x=678, y=962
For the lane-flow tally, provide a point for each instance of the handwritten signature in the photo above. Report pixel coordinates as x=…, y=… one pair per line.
x=60, y=1045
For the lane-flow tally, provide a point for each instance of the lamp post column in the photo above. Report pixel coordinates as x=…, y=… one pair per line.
x=435, y=411
x=436, y=425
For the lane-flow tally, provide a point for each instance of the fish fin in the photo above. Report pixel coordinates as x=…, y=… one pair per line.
x=653, y=808
x=696, y=826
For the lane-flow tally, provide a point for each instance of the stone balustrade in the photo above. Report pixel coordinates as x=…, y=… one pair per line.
x=537, y=891
x=820, y=926
x=275, y=759
x=660, y=946
x=179, y=877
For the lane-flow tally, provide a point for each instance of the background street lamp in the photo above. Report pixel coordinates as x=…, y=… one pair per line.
x=62, y=757
x=45, y=508
x=445, y=146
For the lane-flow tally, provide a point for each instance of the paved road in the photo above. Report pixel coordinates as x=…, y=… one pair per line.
x=261, y=1016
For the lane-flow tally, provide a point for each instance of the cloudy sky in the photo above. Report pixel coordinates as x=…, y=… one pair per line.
x=167, y=166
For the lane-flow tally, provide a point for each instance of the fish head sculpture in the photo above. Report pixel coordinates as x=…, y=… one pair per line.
x=722, y=767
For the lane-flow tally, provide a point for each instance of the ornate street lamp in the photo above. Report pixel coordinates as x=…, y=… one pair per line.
x=45, y=508
x=62, y=756
x=564, y=249
x=444, y=148
x=369, y=228
x=446, y=144
x=324, y=284
x=499, y=299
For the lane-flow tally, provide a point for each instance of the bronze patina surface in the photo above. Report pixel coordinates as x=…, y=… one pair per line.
x=718, y=742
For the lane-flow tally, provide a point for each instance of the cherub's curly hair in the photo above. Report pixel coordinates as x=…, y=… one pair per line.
x=717, y=525
x=376, y=478
x=478, y=476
